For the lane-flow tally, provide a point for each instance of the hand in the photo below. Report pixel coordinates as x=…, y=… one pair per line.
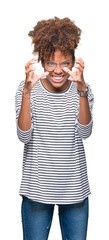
x=31, y=77
x=76, y=75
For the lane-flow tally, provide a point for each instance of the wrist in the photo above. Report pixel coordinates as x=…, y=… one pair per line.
x=26, y=93
x=83, y=93
x=81, y=87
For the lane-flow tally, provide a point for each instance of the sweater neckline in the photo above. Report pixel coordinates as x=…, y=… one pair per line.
x=54, y=93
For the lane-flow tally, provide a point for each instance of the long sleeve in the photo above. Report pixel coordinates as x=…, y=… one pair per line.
x=24, y=136
x=85, y=131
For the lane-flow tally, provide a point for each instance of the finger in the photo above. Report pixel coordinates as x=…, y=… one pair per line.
x=79, y=59
x=39, y=77
x=80, y=62
x=42, y=75
x=68, y=71
x=72, y=79
x=78, y=66
x=30, y=64
x=32, y=61
x=32, y=69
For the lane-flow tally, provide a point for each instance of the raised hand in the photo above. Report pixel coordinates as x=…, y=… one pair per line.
x=76, y=75
x=31, y=77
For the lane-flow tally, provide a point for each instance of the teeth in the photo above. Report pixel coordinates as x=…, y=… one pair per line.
x=57, y=77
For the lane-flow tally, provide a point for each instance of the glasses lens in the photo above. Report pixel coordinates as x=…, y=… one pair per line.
x=50, y=66
x=65, y=64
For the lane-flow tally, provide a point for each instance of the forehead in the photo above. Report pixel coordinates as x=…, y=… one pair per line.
x=59, y=56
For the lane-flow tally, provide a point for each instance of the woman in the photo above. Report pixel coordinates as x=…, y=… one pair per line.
x=54, y=114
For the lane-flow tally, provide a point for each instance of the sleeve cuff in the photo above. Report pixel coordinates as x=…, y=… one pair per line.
x=84, y=130
x=24, y=136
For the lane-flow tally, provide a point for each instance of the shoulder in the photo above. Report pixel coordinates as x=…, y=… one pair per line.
x=90, y=92
x=21, y=85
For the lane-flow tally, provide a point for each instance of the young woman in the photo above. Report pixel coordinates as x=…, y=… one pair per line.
x=54, y=114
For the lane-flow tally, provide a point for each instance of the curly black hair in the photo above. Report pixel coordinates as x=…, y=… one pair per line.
x=52, y=34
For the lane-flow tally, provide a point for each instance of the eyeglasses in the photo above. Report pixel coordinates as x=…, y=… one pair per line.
x=51, y=66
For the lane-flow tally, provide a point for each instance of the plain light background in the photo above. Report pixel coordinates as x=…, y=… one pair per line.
x=17, y=18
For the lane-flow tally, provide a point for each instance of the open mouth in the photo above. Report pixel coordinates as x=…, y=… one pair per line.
x=57, y=79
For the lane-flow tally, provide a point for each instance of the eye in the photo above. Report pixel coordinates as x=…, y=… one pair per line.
x=50, y=64
x=65, y=64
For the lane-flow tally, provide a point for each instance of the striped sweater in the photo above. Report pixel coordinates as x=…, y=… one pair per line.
x=54, y=162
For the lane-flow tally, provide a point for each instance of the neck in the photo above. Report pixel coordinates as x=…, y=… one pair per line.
x=46, y=83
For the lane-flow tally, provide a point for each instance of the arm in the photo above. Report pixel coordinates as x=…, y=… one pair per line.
x=84, y=116
x=84, y=111
x=23, y=102
x=84, y=119
x=24, y=121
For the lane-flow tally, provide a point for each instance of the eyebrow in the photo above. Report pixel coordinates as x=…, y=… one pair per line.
x=60, y=62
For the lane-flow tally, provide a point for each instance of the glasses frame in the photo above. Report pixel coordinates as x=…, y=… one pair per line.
x=56, y=64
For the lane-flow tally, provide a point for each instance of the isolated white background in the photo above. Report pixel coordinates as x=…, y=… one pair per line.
x=17, y=18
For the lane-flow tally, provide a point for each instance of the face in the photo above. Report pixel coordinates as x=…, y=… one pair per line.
x=57, y=80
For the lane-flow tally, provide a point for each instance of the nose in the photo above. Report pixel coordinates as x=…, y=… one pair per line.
x=58, y=69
